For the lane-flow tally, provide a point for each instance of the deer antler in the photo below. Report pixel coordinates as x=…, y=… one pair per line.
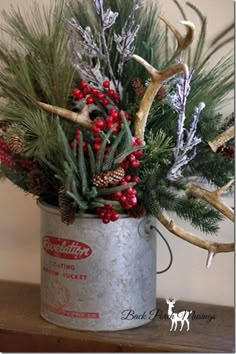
x=183, y=42
x=213, y=198
x=211, y=247
x=158, y=77
x=81, y=118
x=221, y=139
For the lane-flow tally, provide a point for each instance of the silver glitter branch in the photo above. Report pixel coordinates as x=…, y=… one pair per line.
x=92, y=52
x=108, y=17
x=125, y=41
x=87, y=42
x=187, y=140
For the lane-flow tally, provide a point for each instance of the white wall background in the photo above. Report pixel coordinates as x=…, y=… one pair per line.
x=188, y=279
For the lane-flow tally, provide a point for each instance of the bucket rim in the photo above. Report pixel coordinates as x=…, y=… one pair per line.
x=55, y=210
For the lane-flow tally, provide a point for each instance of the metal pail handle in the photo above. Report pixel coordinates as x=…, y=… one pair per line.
x=145, y=229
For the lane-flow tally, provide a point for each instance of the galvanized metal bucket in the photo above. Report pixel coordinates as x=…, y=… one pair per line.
x=96, y=277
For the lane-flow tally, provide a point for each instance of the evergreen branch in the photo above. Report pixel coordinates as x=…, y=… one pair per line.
x=101, y=152
x=214, y=51
x=110, y=157
x=82, y=166
x=202, y=36
x=120, y=158
x=181, y=9
x=67, y=151
x=222, y=34
x=92, y=160
x=76, y=197
x=212, y=247
x=107, y=191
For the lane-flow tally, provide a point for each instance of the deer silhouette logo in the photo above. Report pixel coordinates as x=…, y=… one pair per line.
x=176, y=317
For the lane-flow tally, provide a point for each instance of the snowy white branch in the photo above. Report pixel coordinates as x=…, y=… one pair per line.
x=187, y=140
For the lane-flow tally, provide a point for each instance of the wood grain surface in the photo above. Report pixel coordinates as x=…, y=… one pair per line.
x=23, y=330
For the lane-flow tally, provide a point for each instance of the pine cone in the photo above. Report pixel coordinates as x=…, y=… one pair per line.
x=138, y=86
x=228, y=151
x=36, y=182
x=67, y=207
x=161, y=94
x=16, y=144
x=137, y=212
x=4, y=125
x=109, y=178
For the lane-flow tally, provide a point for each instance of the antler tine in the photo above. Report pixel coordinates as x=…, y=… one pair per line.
x=157, y=78
x=212, y=247
x=183, y=42
x=213, y=198
x=221, y=139
x=81, y=118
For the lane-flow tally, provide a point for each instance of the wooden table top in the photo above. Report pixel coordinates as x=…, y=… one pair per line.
x=23, y=330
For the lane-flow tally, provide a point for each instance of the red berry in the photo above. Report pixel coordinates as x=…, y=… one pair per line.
x=128, y=206
x=138, y=153
x=109, y=120
x=100, y=123
x=111, y=93
x=105, y=101
x=96, y=147
x=96, y=129
x=100, y=95
x=129, y=191
x=127, y=116
x=123, y=199
x=98, y=139
x=117, y=195
x=115, y=216
x=139, y=141
x=111, y=110
x=116, y=96
x=128, y=178
x=115, y=114
x=110, y=125
x=90, y=100
x=132, y=158
x=135, y=179
x=80, y=96
x=72, y=145
x=135, y=164
x=133, y=201
x=123, y=183
x=108, y=207
x=105, y=221
x=94, y=91
x=76, y=91
x=77, y=132
x=106, y=84
x=83, y=84
x=116, y=130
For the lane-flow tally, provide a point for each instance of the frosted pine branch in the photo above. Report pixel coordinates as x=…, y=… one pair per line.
x=125, y=41
x=87, y=41
x=187, y=140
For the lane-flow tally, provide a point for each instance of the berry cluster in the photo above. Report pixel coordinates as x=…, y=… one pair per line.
x=112, y=120
x=132, y=161
x=127, y=198
x=107, y=214
x=91, y=94
x=4, y=157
